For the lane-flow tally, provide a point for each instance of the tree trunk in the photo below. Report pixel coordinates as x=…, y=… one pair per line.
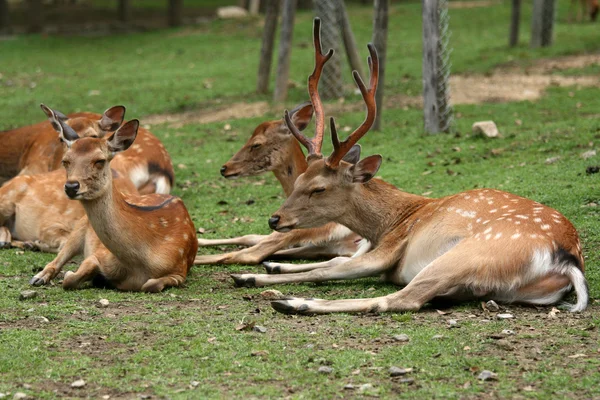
x=3, y=15
x=380, y=34
x=515, y=18
x=285, y=48
x=35, y=16
x=266, y=50
x=349, y=42
x=254, y=7
x=175, y=12
x=124, y=10
x=542, y=23
x=330, y=85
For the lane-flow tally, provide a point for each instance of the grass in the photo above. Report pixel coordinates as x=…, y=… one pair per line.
x=184, y=344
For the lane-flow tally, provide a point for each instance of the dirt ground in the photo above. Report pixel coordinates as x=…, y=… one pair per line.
x=506, y=84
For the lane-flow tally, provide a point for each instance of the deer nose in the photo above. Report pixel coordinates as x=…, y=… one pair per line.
x=223, y=169
x=273, y=221
x=71, y=189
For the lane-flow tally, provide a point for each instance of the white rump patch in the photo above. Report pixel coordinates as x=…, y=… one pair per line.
x=162, y=185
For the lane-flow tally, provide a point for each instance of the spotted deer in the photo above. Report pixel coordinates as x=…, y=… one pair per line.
x=34, y=210
x=272, y=147
x=148, y=242
x=482, y=243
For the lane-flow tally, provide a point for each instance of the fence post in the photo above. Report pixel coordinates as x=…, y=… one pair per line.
x=266, y=50
x=542, y=23
x=36, y=16
x=515, y=19
x=175, y=12
x=380, y=33
x=285, y=47
x=124, y=10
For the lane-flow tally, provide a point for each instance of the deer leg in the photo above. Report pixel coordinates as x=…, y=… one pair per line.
x=308, y=252
x=369, y=264
x=158, y=284
x=247, y=240
x=284, y=268
x=89, y=268
x=5, y=237
x=72, y=247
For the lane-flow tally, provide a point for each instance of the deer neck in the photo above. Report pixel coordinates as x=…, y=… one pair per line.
x=378, y=207
x=112, y=223
x=294, y=164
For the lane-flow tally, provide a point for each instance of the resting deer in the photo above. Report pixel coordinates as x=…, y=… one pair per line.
x=477, y=244
x=148, y=242
x=36, y=149
x=34, y=211
x=272, y=147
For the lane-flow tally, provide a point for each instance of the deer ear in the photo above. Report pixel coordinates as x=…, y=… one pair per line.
x=353, y=155
x=112, y=118
x=301, y=115
x=366, y=169
x=123, y=138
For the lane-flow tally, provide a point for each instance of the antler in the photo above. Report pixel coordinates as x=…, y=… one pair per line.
x=340, y=149
x=313, y=145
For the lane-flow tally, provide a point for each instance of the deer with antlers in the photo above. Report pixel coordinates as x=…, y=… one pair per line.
x=34, y=211
x=148, y=242
x=272, y=147
x=482, y=243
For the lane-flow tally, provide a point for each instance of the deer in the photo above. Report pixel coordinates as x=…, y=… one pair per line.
x=36, y=149
x=478, y=244
x=36, y=214
x=586, y=7
x=139, y=242
x=272, y=147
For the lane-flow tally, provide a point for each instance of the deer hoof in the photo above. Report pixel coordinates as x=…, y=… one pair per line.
x=37, y=281
x=272, y=269
x=240, y=281
x=4, y=245
x=285, y=307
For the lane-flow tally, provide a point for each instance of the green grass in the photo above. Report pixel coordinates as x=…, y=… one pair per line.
x=159, y=344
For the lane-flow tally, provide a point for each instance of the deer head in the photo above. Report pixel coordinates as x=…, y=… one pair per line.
x=329, y=184
x=269, y=146
x=87, y=159
x=109, y=122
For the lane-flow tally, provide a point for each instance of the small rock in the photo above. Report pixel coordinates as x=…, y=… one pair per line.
x=325, y=370
x=194, y=384
x=504, y=345
x=27, y=294
x=365, y=387
x=103, y=303
x=260, y=329
x=486, y=375
x=437, y=337
x=492, y=306
x=504, y=316
x=401, y=338
x=528, y=388
x=349, y=387
x=79, y=383
x=26, y=386
x=408, y=381
x=144, y=396
x=106, y=396
x=231, y=12
x=43, y=319
x=552, y=160
x=395, y=371
x=452, y=323
x=19, y=395
x=485, y=128
x=588, y=154
x=508, y=332
x=2, y=395
x=271, y=294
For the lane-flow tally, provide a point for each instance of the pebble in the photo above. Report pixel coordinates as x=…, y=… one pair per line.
x=2, y=395
x=437, y=337
x=395, y=371
x=508, y=332
x=106, y=396
x=19, y=395
x=103, y=303
x=505, y=345
x=401, y=338
x=492, y=306
x=365, y=387
x=349, y=387
x=407, y=380
x=504, y=316
x=485, y=128
x=325, y=370
x=27, y=294
x=79, y=383
x=260, y=329
x=26, y=386
x=194, y=383
x=453, y=323
x=486, y=375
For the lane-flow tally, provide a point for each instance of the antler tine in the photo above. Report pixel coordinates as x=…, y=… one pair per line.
x=340, y=149
x=313, y=84
x=296, y=132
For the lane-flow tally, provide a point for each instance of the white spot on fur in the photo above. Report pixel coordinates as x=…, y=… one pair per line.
x=466, y=214
x=493, y=211
x=537, y=220
x=504, y=206
x=488, y=236
x=478, y=220
x=485, y=222
x=533, y=236
x=545, y=227
x=522, y=216
x=488, y=230
x=162, y=185
x=490, y=202
x=181, y=252
x=498, y=235
x=516, y=236
x=185, y=236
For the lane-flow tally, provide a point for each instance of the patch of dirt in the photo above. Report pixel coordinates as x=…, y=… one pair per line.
x=506, y=84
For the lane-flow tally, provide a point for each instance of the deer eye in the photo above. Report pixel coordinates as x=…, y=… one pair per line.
x=317, y=191
x=65, y=164
x=255, y=146
x=99, y=164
